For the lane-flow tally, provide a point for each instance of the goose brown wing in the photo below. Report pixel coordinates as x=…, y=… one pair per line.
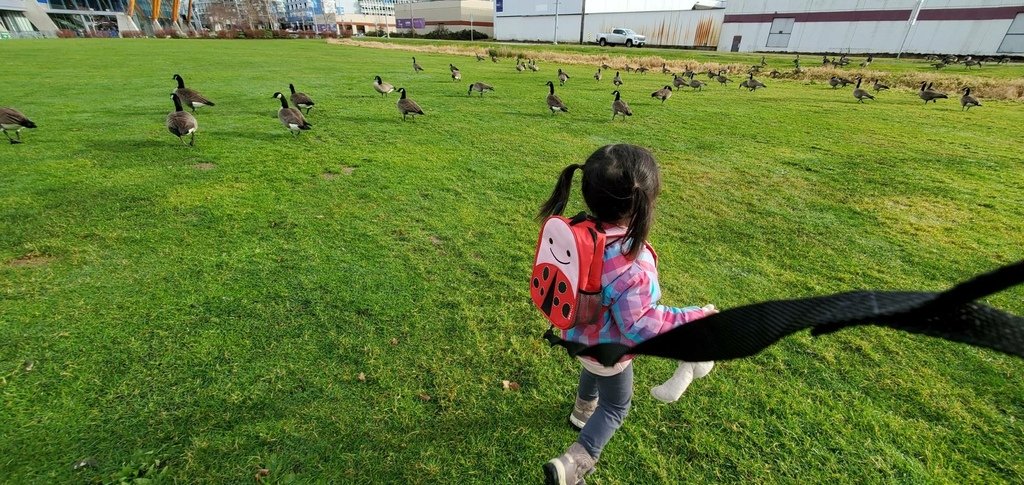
x=11, y=116
x=555, y=102
x=180, y=123
x=190, y=96
x=292, y=116
x=620, y=106
x=409, y=106
x=301, y=98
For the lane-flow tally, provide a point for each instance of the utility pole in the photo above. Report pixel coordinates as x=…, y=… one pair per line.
x=583, y=16
x=556, y=23
x=910, y=26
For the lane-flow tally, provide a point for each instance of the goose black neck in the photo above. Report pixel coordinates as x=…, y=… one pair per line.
x=292, y=87
x=403, y=92
x=177, y=103
x=551, y=88
x=377, y=78
x=181, y=82
x=616, y=95
x=284, y=102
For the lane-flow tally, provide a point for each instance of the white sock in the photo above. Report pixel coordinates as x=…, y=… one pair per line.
x=675, y=386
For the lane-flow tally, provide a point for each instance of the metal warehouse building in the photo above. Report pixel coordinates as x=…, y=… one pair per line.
x=980, y=27
x=688, y=23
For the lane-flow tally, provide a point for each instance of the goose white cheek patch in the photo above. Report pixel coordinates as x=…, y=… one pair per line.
x=555, y=279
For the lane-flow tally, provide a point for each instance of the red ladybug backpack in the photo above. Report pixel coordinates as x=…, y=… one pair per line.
x=566, y=280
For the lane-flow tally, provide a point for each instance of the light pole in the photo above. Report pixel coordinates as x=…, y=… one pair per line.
x=556, y=23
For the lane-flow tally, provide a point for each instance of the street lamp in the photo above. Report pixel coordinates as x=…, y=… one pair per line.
x=556, y=23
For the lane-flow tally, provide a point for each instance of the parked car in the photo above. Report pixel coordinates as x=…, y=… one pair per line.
x=625, y=37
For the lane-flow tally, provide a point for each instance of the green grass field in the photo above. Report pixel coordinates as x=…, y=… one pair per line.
x=195, y=314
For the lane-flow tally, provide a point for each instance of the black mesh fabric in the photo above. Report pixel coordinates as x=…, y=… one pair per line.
x=744, y=331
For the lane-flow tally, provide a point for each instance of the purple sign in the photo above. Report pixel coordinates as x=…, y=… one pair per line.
x=411, y=23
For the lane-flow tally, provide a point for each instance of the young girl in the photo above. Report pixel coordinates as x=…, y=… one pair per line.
x=620, y=185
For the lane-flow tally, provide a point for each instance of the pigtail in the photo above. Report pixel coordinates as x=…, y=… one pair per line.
x=640, y=222
x=560, y=196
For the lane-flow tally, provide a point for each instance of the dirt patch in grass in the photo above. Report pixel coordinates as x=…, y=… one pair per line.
x=30, y=261
x=436, y=240
x=331, y=175
x=204, y=166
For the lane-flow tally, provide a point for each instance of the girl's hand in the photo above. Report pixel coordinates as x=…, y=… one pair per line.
x=709, y=309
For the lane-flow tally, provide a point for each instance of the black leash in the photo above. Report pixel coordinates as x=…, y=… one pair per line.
x=744, y=331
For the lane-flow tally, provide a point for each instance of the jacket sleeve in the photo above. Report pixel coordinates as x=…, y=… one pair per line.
x=636, y=312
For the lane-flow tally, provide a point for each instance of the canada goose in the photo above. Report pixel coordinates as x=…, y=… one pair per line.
x=939, y=65
x=628, y=68
x=180, y=123
x=880, y=87
x=678, y=81
x=843, y=82
x=520, y=67
x=695, y=84
x=291, y=118
x=382, y=87
x=834, y=82
x=190, y=97
x=620, y=107
x=861, y=94
x=416, y=66
x=966, y=101
x=927, y=94
x=480, y=88
x=562, y=77
x=605, y=67
x=479, y=58
x=711, y=74
x=754, y=84
x=597, y=75
x=642, y=70
x=774, y=74
x=12, y=119
x=554, y=102
x=763, y=63
x=665, y=69
x=663, y=93
x=744, y=84
x=969, y=62
x=688, y=72
x=301, y=100
x=456, y=74
x=617, y=81
x=825, y=61
x=533, y=66
x=407, y=106
x=722, y=79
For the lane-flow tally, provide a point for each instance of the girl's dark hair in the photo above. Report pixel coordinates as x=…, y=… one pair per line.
x=620, y=182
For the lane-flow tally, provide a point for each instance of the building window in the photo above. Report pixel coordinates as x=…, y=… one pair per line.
x=782, y=28
x=1014, y=40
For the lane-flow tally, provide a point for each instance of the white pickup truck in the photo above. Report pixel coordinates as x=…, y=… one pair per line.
x=625, y=37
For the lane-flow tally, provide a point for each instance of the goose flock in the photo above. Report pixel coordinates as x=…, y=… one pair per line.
x=183, y=124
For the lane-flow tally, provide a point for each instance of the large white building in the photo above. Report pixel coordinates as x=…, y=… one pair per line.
x=979, y=27
x=689, y=23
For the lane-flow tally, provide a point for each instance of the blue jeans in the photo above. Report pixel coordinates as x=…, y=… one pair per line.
x=616, y=393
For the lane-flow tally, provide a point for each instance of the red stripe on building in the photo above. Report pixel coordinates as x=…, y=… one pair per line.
x=460, y=22
x=843, y=16
x=990, y=13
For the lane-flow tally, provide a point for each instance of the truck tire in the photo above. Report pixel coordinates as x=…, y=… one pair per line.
x=602, y=42
x=629, y=42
